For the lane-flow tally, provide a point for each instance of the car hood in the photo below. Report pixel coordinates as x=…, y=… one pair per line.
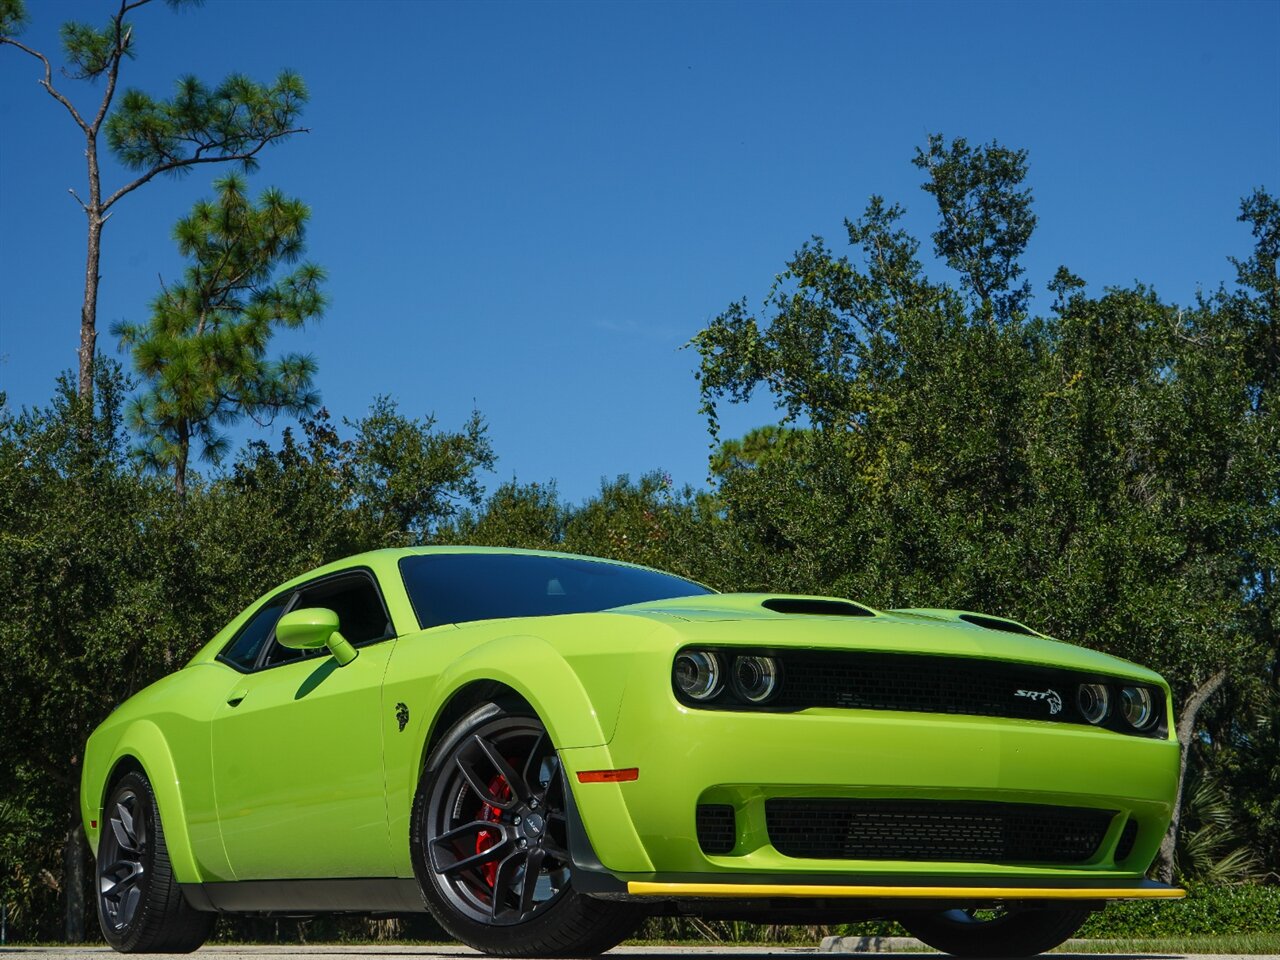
x=780, y=620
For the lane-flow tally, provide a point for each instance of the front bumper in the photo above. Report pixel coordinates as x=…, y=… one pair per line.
x=644, y=832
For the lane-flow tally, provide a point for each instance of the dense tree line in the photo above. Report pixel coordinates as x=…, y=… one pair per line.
x=1107, y=469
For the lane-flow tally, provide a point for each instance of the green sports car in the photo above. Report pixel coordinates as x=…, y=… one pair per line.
x=542, y=749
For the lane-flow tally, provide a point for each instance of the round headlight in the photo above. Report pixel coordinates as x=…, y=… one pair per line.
x=697, y=674
x=755, y=679
x=1094, y=701
x=1138, y=707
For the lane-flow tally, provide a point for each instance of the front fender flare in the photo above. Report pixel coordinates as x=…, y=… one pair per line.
x=572, y=716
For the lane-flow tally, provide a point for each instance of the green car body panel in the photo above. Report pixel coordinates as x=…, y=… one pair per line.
x=308, y=770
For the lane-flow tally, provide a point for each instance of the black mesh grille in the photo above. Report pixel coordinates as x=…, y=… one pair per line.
x=970, y=832
x=931, y=684
x=717, y=828
x=1128, y=836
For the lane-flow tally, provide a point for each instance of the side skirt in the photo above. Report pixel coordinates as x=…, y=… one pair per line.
x=354, y=895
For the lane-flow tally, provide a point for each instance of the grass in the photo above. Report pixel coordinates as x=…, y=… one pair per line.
x=1242, y=943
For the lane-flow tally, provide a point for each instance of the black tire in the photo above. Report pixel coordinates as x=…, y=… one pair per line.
x=140, y=906
x=1016, y=932
x=489, y=808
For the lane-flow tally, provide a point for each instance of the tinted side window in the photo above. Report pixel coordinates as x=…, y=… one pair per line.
x=361, y=616
x=243, y=651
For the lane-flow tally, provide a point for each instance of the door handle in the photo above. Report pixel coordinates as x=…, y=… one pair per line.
x=234, y=698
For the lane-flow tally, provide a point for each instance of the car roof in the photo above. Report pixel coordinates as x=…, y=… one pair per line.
x=380, y=559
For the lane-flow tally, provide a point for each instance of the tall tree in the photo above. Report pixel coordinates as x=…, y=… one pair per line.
x=231, y=122
x=204, y=350
x=1107, y=472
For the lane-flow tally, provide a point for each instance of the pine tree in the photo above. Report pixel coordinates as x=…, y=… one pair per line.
x=231, y=122
x=203, y=352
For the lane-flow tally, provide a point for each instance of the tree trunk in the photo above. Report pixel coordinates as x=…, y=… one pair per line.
x=180, y=463
x=89, y=309
x=1186, y=729
x=73, y=881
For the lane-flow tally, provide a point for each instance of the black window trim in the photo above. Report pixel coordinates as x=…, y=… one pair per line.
x=290, y=604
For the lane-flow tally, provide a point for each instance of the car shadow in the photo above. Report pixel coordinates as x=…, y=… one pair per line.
x=316, y=677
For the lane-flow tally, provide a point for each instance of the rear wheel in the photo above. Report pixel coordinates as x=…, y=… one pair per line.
x=490, y=843
x=1001, y=932
x=140, y=906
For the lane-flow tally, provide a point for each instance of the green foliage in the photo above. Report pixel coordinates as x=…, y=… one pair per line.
x=80, y=618
x=89, y=620
x=232, y=120
x=1209, y=847
x=408, y=477
x=1208, y=909
x=761, y=445
x=203, y=353
x=528, y=515
x=643, y=521
x=89, y=50
x=1090, y=472
x=13, y=17
x=986, y=220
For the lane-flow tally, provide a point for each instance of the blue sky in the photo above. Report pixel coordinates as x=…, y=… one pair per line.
x=529, y=208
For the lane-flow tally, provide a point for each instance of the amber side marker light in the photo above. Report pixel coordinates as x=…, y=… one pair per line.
x=609, y=776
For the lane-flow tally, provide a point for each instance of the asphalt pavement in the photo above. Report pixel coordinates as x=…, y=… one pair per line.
x=332, y=952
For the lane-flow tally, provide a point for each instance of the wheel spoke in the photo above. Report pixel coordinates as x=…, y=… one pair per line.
x=519, y=789
x=126, y=818
x=481, y=787
x=488, y=855
x=503, y=880
x=555, y=785
x=533, y=762
x=129, y=905
x=553, y=850
x=532, y=867
x=115, y=884
x=122, y=827
x=445, y=842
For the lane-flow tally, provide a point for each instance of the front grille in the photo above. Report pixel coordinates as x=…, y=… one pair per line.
x=970, y=832
x=933, y=684
x=717, y=827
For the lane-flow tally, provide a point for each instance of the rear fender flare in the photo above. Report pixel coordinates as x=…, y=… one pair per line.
x=143, y=742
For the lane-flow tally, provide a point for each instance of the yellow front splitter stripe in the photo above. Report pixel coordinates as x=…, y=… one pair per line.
x=749, y=891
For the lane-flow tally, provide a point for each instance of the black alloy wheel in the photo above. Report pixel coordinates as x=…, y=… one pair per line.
x=499, y=842
x=141, y=908
x=490, y=842
x=121, y=859
x=999, y=931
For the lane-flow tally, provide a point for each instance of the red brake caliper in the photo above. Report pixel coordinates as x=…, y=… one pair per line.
x=498, y=787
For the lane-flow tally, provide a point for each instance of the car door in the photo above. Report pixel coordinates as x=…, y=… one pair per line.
x=297, y=747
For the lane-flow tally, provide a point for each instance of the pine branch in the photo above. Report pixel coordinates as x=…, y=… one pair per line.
x=47, y=82
x=179, y=163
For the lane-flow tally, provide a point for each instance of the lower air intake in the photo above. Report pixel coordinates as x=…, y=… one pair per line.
x=717, y=828
x=969, y=832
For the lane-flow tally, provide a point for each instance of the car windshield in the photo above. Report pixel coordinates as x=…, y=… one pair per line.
x=460, y=587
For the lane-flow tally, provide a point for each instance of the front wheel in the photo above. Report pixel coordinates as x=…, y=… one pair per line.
x=140, y=906
x=1002, y=932
x=490, y=844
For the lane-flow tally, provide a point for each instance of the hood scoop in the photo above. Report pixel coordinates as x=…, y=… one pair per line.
x=998, y=623
x=813, y=607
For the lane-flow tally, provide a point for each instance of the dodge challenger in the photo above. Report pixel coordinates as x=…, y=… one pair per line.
x=542, y=749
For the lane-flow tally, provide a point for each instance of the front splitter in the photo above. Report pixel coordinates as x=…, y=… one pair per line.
x=745, y=891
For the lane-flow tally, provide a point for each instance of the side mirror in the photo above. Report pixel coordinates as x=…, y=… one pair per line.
x=312, y=628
